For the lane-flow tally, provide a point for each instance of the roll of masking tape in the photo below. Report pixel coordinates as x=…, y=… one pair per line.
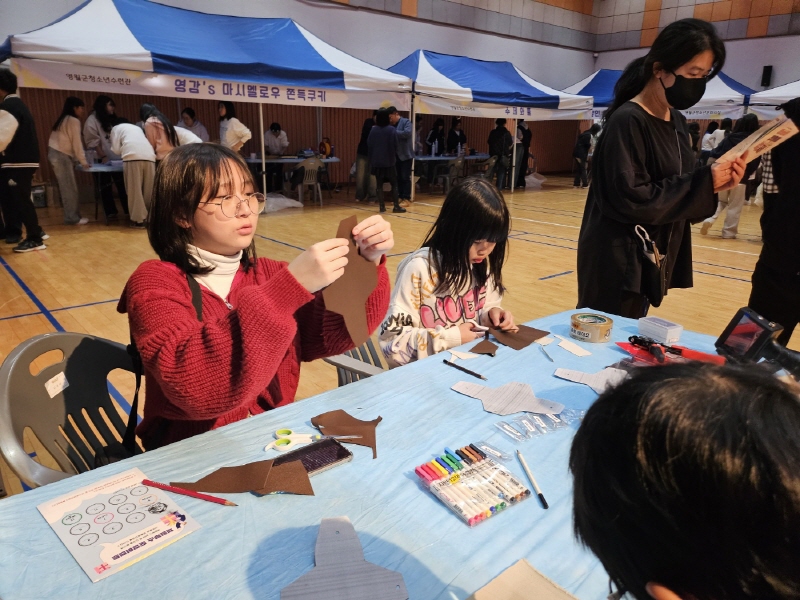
x=588, y=327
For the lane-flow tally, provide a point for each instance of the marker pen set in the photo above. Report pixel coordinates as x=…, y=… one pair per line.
x=472, y=485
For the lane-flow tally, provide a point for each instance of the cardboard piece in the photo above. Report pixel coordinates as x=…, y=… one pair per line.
x=521, y=582
x=288, y=478
x=519, y=339
x=484, y=347
x=260, y=477
x=338, y=422
x=341, y=573
x=348, y=295
x=572, y=347
x=599, y=382
x=508, y=399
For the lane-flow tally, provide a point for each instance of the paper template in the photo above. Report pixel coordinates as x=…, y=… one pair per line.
x=521, y=582
x=599, y=382
x=572, y=347
x=766, y=138
x=519, y=339
x=348, y=295
x=341, y=573
x=261, y=477
x=508, y=399
x=462, y=355
x=545, y=341
x=115, y=522
x=338, y=422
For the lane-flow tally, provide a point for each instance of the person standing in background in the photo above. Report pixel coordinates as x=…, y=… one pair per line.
x=525, y=136
x=644, y=174
x=189, y=121
x=97, y=136
x=435, y=139
x=707, y=145
x=19, y=159
x=365, y=181
x=456, y=138
x=232, y=133
x=139, y=167
x=276, y=142
x=158, y=131
x=776, y=280
x=382, y=144
x=405, y=154
x=64, y=149
x=581, y=155
x=721, y=133
x=500, y=144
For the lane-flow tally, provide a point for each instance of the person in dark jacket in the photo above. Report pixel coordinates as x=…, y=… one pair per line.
x=455, y=137
x=581, y=155
x=435, y=139
x=500, y=144
x=526, y=136
x=643, y=173
x=19, y=159
x=365, y=182
x=776, y=280
x=382, y=147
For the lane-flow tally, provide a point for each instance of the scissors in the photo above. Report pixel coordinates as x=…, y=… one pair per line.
x=286, y=439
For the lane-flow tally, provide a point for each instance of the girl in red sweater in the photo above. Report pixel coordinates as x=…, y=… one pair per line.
x=260, y=317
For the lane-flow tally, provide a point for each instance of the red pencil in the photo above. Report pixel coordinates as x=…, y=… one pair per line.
x=177, y=490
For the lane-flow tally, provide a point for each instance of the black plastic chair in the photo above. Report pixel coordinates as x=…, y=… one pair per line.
x=61, y=422
x=357, y=364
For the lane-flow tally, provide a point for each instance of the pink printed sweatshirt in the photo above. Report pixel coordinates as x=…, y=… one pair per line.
x=419, y=323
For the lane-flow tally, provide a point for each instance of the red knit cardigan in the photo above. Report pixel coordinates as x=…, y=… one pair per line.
x=200, y=376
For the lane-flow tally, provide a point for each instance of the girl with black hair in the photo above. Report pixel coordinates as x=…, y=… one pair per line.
x=189, y=121
x=232, y=133
x=724, y=131
x=454, y=281
x=260, y=318
x=435, y=139
x=707, y=144
x=65, y=148
x=97, y=135
x=644, y=174
x=159, y=131
x=733, y=199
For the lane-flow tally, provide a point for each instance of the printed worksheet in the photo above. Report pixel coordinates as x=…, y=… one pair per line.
x=113, y=523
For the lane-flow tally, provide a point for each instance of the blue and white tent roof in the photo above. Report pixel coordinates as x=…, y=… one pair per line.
x=464, y=79
x=599, y=85
x=139, y=35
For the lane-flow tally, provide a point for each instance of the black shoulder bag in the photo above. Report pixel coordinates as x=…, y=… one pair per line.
x=117, y=451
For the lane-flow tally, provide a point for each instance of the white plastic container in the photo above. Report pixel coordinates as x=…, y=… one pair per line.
x=661, y=330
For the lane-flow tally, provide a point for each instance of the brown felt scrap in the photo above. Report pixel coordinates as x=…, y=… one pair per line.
x=519, y=339
x=288, y=478
x=348, y=295
x=484, y=347
x=338, y=422
x=234, y=480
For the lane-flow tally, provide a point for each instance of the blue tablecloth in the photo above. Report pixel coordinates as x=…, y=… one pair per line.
x=255, y=549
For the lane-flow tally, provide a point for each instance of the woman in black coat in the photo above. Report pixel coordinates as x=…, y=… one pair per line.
x=643, y=173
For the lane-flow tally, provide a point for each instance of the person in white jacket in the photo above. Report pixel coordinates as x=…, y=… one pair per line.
x=232, y=133
x=64, y=150
x=139, y=167
x=97, y=137
x=454, y=281
x=189, y=121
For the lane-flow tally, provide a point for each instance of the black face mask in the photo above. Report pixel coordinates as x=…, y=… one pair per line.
x=685, y=92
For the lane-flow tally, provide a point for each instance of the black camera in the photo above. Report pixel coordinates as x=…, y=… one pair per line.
x=749, y=337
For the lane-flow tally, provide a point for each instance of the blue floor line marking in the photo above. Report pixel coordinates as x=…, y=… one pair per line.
x=58, y=327
x=20, y=316
x=556, y=275
x=33, y=314
x=263, y=237
x=723, y=276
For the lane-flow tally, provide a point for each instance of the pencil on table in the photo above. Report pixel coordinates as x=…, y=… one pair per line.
x=177, y=490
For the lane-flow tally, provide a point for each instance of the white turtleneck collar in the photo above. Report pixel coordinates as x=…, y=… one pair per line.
x=225, y=268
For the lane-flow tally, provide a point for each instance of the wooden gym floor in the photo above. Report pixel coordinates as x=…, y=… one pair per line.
x=74, y=284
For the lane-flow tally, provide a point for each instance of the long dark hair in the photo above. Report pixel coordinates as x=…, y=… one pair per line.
x=473, y=210
x=677, y=44
x=70, y=104
x=148, y=110
x=686, y=474
x=230, y=110
x=186, y=176
x=712, y=127
x=747, y=124
x=727, y=125
x=107, y=121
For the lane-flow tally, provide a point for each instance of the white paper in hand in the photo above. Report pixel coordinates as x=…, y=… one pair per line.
x=508, y=399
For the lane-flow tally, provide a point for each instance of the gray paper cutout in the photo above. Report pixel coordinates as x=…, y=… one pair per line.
x=341, y=573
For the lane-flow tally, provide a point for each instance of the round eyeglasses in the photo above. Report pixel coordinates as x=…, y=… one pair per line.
x=231, y=204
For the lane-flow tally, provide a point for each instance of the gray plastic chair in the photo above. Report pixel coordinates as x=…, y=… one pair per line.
x=356, y=364
x=25, y=402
